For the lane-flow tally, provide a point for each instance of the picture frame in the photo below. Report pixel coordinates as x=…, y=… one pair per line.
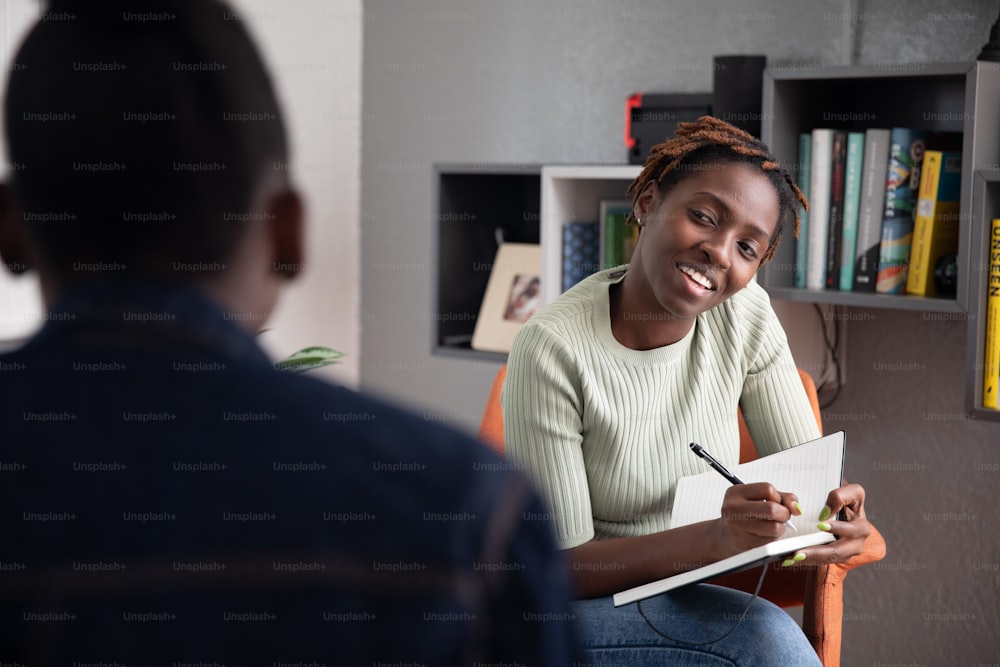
x=513, y=295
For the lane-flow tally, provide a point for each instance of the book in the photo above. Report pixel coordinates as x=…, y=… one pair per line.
x=580, y=252
x=819, y=218
x=835, y=225
x=810, y=470
x=935, y=225
x=805, y=170
x=872, y=204
x=852, y=203
x=906, y=153
x=617, y=240
x=991, y=355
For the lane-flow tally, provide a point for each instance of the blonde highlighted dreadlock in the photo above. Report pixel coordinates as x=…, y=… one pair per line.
x=710, y=139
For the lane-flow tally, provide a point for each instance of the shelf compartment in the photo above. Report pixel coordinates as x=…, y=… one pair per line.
x=472, y=203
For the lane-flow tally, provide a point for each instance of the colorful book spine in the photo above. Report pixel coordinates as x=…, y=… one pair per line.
x=991, y=359
x=580, y=252
x=616, y=238
x=835, y=226
x=803, y=178
x=819, y=218
x=852, y=202
x=936, y=223
x=906, y=153
x=872, y=205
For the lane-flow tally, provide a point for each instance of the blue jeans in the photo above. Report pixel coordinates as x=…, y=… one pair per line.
x=767, y=636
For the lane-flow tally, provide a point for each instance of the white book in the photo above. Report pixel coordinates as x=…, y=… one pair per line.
x=819, y=208
x=810, y=471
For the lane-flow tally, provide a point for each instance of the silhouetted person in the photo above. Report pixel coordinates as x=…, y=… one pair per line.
x=167, y=496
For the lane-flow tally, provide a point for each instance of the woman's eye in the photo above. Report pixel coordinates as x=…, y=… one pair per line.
x=748, y=249
x=701, y=217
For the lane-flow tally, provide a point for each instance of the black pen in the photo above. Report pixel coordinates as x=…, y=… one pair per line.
x=724, y=471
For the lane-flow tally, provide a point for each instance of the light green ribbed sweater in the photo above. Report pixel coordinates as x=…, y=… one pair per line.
x=604, y=429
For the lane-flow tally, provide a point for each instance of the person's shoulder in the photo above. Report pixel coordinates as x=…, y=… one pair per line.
x=366, y=416
x=559, y=329
x=750, y=306
x=743, y=320
x=578, y=302
x=754, y=301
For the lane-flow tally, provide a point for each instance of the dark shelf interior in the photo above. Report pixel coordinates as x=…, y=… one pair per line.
x=471, y=206
x=933, y=102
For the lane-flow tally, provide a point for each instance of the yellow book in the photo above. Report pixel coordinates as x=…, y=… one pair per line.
x=991, y=359
x=935, y=225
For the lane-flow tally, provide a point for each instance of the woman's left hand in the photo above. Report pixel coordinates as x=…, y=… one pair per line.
x=851, y=532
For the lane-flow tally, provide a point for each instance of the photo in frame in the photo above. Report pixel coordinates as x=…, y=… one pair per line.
x=513, y=294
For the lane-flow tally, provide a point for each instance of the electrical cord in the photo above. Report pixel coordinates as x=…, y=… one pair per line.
x=756, y=594
x=831, y=348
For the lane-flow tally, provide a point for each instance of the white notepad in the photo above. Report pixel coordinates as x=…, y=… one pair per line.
x=810, y=471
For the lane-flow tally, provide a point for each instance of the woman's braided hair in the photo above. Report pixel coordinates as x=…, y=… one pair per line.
x=711, y=140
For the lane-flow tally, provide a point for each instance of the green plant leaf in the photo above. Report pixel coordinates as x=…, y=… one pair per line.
x=309, y=358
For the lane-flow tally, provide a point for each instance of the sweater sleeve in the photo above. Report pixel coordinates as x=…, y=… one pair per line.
x=543, y=428
x=773, y=401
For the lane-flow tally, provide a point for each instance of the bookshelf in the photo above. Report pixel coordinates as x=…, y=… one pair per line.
x=955, y=97
x=985, y=207
x=574, y=194
x=473, y=203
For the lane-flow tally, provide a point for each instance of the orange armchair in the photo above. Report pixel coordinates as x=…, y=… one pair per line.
x=818, y=589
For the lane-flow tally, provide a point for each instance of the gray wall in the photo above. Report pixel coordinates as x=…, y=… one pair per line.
x=545, y=82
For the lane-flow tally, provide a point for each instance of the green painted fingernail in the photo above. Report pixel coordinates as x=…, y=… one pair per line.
x=797, y=507
x=797, y=558
x=823, y=525
x=824, y=514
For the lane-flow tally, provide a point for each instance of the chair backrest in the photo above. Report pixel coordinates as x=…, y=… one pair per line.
x=491, y=426
x=748, y=452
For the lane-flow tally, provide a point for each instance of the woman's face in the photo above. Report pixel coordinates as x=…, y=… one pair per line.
x=703, y=240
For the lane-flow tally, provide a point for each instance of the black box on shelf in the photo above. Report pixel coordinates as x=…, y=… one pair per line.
x=651, y=118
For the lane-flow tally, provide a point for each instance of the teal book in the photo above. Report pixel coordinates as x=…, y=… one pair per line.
x=852, y=205
x=802, y=242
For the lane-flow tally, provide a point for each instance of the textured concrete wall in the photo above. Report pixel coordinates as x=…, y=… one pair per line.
x=545, y=82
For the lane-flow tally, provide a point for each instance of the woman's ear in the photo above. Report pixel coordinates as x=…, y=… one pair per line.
x=646, y=202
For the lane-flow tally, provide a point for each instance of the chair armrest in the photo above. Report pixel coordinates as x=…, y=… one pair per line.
x=823, y=610
x=872, y=551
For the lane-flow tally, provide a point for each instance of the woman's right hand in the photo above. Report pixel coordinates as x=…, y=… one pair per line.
x=752, y=515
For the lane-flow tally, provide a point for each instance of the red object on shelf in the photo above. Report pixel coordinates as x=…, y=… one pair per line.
x=633, y=102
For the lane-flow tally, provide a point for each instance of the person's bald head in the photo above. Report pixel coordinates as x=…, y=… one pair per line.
x=140, y=137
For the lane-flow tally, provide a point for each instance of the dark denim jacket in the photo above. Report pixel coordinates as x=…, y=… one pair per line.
x=167, y=497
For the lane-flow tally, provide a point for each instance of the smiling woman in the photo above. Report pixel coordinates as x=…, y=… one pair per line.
x=608, y=384
x=700, y=242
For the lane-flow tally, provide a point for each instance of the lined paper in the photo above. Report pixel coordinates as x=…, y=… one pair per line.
x=810, y=471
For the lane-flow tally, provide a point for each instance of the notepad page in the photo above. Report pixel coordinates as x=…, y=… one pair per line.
x=810, y=470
